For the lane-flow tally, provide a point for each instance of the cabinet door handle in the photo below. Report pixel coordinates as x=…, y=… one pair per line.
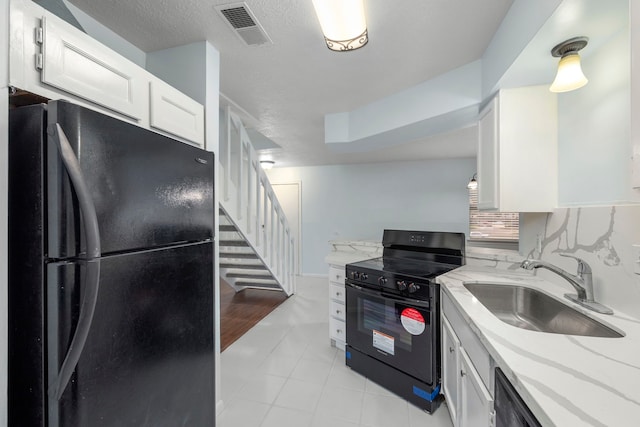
x=451, y=350
x=338, y=294
x=339, y=331
x=337, y=276
x=338, y=311
x=462, y=373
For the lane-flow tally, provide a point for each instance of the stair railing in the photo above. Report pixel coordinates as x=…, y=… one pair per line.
x=248, y=198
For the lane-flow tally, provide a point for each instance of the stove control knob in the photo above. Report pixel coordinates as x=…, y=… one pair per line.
x=363, y=276
x=412, y=287
x=401, y=285
x=352, y=274
x=382, y=281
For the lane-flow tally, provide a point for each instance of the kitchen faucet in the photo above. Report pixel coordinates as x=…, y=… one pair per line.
x=582, y=282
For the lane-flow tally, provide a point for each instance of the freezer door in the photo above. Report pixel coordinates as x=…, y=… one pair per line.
x=149, y=354
x=148, y=190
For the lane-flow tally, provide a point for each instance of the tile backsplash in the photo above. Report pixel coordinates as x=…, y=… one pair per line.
x=602, y=235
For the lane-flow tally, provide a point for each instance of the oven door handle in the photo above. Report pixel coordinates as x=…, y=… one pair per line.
x=382, y=294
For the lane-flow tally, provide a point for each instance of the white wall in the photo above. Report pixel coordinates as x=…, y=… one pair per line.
x=359, y=201
x=183, y=67
x=594, y=151
x=107, y=37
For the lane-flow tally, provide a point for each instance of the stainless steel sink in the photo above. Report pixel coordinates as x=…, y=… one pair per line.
x=530, y=309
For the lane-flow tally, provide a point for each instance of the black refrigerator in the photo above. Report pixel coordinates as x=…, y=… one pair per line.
x=111, y=272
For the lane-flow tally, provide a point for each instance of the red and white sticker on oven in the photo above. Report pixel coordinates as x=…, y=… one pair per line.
x=412, y=321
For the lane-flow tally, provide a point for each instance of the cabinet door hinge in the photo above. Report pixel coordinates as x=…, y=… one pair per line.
x=492, y=419
x=39, y=35
x=39, y=61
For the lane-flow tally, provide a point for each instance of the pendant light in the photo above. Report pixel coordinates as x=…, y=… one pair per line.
x=343, y=23
x=569, y=76
x=473, y=182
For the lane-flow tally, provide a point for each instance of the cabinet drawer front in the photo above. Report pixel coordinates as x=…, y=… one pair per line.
x=73, y=62
x=337, y=329
x=336, y=309
x=336, y=274
x=174, y=112
x=468, y=340
x=336, y=292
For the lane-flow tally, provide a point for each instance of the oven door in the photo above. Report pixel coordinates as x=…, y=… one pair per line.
x=397, y=331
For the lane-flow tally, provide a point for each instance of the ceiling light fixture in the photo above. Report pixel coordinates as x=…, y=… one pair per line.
x=570, y=75
x=473, y=182
x=343, y=23
x=267, y=164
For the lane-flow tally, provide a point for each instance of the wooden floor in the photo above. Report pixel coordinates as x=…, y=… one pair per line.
x=240, y=311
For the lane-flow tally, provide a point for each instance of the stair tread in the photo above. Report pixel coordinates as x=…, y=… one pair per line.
x=258, y=285
x=227, y=227
x=243, y=266
x=251, y=276
x=233, y=243
x=238, y=255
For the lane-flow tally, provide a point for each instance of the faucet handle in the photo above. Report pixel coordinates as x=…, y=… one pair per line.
x=583, y=267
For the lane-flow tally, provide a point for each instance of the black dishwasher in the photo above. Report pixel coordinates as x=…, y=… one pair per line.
x=511, y=411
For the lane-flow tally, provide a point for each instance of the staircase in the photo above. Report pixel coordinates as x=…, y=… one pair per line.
x=240, y=264
x=255, y=245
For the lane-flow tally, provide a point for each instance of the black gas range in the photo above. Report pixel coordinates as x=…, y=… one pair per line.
x=393, y=312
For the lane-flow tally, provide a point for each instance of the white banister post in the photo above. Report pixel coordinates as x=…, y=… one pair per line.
x=257, y=207
x=227, y=158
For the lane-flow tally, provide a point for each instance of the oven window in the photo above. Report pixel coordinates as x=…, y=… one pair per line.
x=380, y=320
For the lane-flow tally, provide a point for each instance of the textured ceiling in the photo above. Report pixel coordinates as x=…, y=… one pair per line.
x=290, y=85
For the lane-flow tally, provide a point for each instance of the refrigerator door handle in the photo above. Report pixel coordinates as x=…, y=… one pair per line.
x=85, y=202
x=92, y=277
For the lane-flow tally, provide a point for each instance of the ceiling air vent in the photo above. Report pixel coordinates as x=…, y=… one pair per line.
x=244, y=24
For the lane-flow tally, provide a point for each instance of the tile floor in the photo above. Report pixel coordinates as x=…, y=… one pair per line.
x=284, y=373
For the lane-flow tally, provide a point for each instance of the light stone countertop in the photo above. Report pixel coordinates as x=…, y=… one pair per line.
x=347, y=251
x=565, y=380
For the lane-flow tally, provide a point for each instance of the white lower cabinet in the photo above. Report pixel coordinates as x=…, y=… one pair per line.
x=337, y=309
x=475, y=403
x=467, y=372
x=450, y=369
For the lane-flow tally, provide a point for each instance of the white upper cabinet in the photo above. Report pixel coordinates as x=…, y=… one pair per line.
x=77, y=64
x=488, y=157
x=55, y=60
x=518, y=151
x=175, y=113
